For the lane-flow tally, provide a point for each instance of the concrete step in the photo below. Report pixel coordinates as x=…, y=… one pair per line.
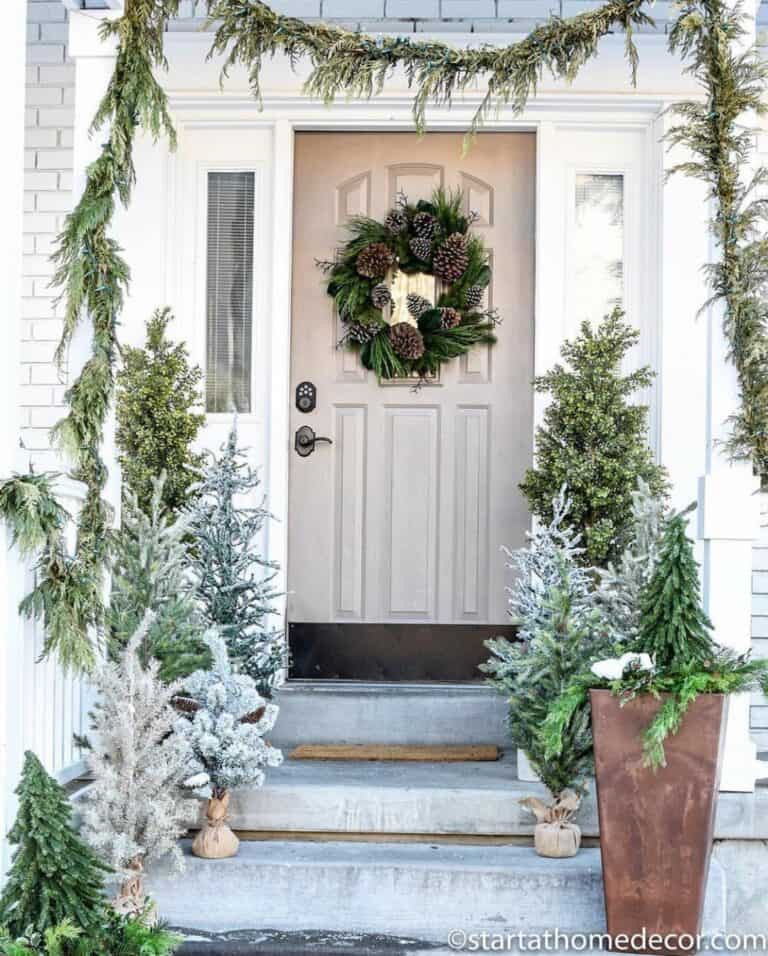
x=432, y=799
x=340, y=712
x=419, y=891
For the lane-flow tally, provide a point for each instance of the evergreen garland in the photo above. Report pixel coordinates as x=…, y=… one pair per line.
x=707, y=34
x=54, y=876
x=93, y=278
x=355, y=64
x=32, y=512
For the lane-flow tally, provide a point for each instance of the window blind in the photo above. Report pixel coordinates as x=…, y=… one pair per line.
x=598, y=245
x=229, y=292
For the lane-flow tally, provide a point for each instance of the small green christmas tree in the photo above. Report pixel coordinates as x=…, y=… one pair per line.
x=158, y=392
x=150, y=565
x=594, y=440
x=234, y=582
x=54, y=876
x=674, y=629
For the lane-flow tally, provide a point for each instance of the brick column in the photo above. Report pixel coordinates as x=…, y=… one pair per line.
x=47, y=198
x=11, y=187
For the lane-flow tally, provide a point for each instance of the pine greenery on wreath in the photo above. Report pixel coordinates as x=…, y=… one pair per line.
x=433, y=238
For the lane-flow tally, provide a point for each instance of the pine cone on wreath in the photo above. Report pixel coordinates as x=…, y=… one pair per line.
x=451, y=259
x=407, y=341
x=450, y=318
x=473, y=297
x=421, y=248
x=380, y=295
x=396, y=221
x=362, y=333
x=416, y=304
x=424, y=225
x=374, y=261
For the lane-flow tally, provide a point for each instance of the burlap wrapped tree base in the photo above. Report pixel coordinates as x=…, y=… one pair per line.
x=555, y=834
x=131, y=899
x=216, y=841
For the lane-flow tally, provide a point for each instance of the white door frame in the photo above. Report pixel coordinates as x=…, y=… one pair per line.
x=549, y=119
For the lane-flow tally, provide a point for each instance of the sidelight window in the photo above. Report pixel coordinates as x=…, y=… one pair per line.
x=229, y=292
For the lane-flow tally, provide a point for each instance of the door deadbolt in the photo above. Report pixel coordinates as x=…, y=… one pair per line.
x=306, y=397
x=306, y=439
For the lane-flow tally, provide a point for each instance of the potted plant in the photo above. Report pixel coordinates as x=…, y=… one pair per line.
x=224, y=727
x=658, y=720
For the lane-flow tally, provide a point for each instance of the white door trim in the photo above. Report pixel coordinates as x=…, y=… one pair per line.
x=550, y=118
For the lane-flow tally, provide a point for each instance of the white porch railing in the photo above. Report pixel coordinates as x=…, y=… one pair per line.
x=54, y=704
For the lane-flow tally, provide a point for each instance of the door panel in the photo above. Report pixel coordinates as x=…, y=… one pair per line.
x=401, y=520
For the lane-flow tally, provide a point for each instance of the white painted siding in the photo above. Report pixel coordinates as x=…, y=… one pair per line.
x=47, y=198
x=759, y=716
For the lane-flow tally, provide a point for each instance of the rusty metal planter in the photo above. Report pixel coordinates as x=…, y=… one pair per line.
x=656, y=828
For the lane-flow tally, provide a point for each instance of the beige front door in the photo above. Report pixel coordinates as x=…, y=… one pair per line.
x=396, y=529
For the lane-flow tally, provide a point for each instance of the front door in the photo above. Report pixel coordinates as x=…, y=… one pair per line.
x=395, y=568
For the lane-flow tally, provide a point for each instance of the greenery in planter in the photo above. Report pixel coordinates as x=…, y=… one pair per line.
x=560, y=625
x=150, y=572
x=158, y=397
x=594, y=440
x=233, y=582
x=673, y=654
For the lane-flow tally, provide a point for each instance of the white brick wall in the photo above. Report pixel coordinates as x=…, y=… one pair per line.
x=432, y=16
x=47, y=198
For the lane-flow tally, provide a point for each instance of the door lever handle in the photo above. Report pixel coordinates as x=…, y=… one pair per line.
x=306, y=439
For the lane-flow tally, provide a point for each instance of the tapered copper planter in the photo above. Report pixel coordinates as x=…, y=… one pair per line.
x=656, y=828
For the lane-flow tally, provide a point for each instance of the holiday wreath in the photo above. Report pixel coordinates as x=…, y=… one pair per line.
x=401, y=333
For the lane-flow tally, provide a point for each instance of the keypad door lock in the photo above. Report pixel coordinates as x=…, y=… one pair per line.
x=306, y=439
x=306, y=397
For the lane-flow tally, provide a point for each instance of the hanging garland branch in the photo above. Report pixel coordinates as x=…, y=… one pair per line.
x=247, y=31
x=707, y=34
x=93, y=278
x=29, y=507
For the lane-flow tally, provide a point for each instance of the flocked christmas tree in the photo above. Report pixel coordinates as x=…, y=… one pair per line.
x=54, y=876
x=559, y=627
x=233, y=581
x=594, y=439
x=134, y=813
x=224, y=726
x=150, y=572
x=674, y=628
x=621, y=585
